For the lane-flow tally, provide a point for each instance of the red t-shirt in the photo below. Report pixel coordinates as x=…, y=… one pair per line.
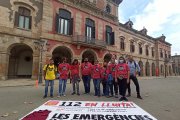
x=74, y=70
x=122, y=70
x=104, y=73
x=86, y=68
x=112, y=69
x=64, y=70
x=96, y=71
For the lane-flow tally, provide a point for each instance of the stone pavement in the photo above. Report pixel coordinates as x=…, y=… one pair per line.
x=30, y=82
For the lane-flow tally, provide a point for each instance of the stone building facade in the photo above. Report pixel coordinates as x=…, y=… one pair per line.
x=32, y=31
x=176, y=64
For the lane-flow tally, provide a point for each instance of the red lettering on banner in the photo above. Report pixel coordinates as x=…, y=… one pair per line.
x=91, y=104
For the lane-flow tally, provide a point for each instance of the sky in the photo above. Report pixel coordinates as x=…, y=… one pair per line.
x=157, y=16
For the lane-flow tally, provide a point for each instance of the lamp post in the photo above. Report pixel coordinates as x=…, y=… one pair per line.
x=166, y=62
x=39, y=44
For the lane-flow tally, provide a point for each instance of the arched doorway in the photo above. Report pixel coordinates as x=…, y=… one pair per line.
x=153, y=69
x=141, y=67
x=170, y=70
x=61, y=52
x=147, y=68
x=107, y=57
x=162, y=70
x=90, y=55
x=20, y=62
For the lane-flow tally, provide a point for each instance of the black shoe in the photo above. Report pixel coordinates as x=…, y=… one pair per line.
x=125, y=99
x=73, y=93
x=99, y=95
x=45, y=96
x=121, y=99
x=138, y=96
x=78, y=94
x=51, y=96
x=129, y=95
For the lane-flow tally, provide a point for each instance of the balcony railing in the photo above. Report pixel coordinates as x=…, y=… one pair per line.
x=88, y=41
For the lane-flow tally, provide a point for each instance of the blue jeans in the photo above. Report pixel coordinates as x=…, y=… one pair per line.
x=97, y=86
x=62, y=86
x=87, y=82
x=47, y=83
x=109, y=87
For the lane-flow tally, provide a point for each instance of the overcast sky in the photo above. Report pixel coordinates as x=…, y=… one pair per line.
x=157, y=16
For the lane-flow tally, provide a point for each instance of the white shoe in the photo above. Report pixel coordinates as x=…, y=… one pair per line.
x=64, y=95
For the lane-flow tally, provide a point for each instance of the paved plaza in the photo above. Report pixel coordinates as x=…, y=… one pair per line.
x=161, y=97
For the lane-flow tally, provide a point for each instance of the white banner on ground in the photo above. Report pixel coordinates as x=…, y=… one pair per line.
x=88, y=110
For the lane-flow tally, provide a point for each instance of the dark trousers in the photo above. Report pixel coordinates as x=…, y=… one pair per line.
x=97, y=86
x=135, y=80
x=104, y=84
x=122, y=86
x=115, y=85
x=87, y=82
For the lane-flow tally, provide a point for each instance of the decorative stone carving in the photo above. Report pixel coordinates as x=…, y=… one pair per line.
x=129, y=24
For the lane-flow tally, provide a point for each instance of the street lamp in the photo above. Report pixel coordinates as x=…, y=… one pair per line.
x=39, y=44
x=166, y=60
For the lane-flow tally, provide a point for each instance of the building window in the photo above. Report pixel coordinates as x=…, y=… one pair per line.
x=140, y=49
x=132, y=46
x=109, y=36
x=64, y=22
x=152, y=52
x=108, y=9
x=165, y=54
x=23, y=18
x=90, y=28
x=147, y=50
x=161, y=53
x=169, y=55
x=122, y=44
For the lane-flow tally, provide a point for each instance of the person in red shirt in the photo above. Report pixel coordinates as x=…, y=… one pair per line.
x=96, y=75
x=86, y=74
x=104, y=77
x=63, y=69
x=112, y=69
x=74, y=75
x=122, y=77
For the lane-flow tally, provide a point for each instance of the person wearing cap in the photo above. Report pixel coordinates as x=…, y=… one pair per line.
x=50, y=71
x=122, y=78
x=96, y=75
x=134, y=67
x=86, y=68
x=64, y=69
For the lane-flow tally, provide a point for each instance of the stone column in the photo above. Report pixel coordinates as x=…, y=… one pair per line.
x=4, y=61
x=35, y=66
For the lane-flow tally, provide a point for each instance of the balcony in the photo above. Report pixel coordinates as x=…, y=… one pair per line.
x=89, y=42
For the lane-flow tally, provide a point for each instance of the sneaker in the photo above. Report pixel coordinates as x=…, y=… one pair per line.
x=78, y=94
x=64, y=95
x=125, y=99
x=73, y=93
x=121, y=99
x=138, y=96
x=129, y=95
x=45, y=96
x=116, y=96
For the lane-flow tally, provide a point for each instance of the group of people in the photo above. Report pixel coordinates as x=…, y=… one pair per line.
x=114, y=76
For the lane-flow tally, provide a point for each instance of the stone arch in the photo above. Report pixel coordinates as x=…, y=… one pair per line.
x=141, y=67
x=90, y=54
x=153, y=68
x=20, y=61
x=62, y=51
x=147, y=69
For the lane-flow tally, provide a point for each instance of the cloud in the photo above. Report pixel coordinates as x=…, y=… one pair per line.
x=156, y=15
